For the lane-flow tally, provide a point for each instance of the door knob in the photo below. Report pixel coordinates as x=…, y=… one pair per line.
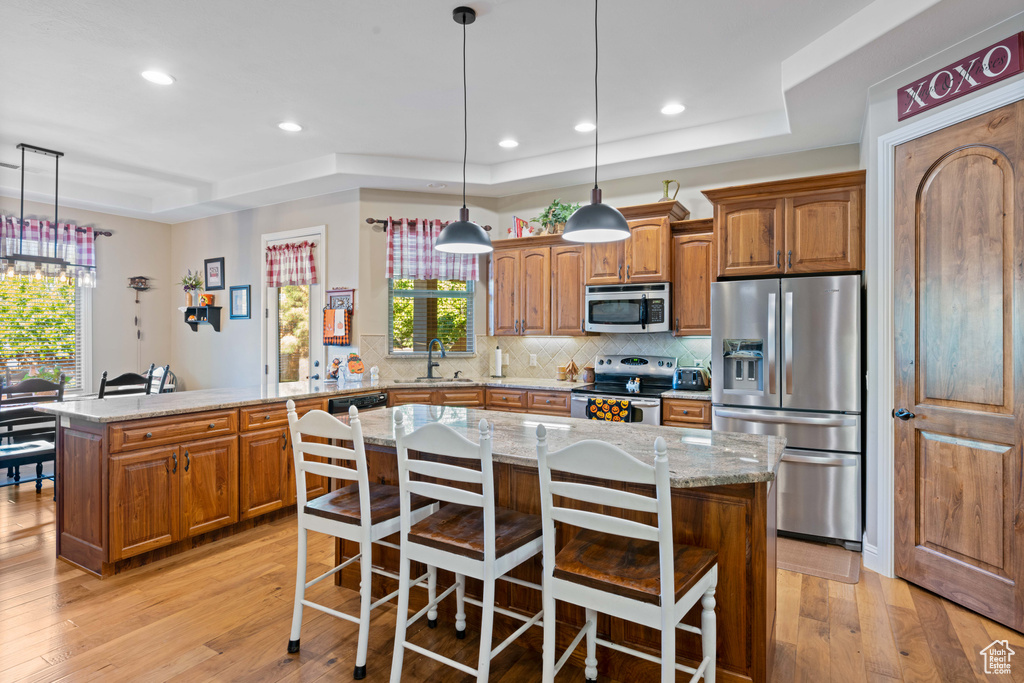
x=903, y=414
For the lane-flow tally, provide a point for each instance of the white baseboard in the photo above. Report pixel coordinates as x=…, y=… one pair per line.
x=872, y=561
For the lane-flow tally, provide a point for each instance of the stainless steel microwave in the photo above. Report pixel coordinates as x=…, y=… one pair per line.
x=627, y=308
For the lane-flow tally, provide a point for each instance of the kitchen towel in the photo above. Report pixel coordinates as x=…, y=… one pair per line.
x=337, y=326
x=609, y=410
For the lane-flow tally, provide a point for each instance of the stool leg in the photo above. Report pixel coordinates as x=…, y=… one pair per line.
x=401, y=620
x=548, y=653
x=365, y=600
x=39, y=477
x=432, y=595
x=460, y=606
x=300, y=593
x=483, y=667
x=668, y=645
x=590, y=664
x=708, y=634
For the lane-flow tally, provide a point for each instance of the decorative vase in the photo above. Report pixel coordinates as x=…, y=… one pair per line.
x=665, y=185
x=188, y=298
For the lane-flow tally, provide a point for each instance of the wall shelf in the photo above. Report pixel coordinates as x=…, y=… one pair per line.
x=204, y=315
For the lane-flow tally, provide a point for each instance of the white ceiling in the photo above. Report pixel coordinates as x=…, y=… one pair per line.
x=377, y=87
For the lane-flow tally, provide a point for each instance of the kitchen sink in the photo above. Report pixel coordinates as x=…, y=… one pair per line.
x=443, y=379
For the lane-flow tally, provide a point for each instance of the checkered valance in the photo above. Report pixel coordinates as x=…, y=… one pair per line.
x=411, y=254
x=73, y=244
x=291, y=264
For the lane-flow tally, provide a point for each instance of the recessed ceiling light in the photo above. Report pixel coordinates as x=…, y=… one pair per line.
x=585, y=127
x=289, y=126
x=436, y=186
x=674, y=108
x=509, y=143
x=158, y=77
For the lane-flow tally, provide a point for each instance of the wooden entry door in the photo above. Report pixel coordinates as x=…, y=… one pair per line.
x=959, y=312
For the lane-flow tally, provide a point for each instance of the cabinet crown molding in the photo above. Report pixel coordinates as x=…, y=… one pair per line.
x=786, y=187
x=673, y=210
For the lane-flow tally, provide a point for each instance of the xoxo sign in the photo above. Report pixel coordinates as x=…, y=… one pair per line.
x=983, y=68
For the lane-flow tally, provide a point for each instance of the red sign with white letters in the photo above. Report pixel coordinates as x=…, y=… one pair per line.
x=983, y=68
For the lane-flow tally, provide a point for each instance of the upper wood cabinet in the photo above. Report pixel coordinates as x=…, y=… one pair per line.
x=645, y=256
x=800, y=225
x=535, y=290
x=693, y=256
x=568, y=268
x=504, y=294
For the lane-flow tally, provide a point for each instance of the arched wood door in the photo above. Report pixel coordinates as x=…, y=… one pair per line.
x=959, y=321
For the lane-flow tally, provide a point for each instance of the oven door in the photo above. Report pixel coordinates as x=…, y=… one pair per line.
x=645, y=410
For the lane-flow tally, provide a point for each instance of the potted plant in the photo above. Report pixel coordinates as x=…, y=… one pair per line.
x=554, y=217
x=191, y=282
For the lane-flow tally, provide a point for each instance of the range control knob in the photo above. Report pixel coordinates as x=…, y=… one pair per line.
x=608, y=361
x=600, y=362
x=670, y=364
x=660, y=363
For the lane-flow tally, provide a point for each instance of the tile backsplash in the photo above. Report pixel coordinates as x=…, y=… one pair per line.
x=551, y=352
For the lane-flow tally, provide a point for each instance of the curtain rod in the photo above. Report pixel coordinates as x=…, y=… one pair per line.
x=96, y=233
x=380, y=224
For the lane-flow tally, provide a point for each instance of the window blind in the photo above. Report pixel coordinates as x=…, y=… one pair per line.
x=422, y=310
x=41, y=329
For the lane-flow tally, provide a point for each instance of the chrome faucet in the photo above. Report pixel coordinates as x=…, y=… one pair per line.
x=430, y=357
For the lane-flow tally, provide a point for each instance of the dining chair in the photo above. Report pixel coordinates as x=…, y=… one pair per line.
x=364, y=512
x=28, y=437
x=126, y=384
x=160, y=379
x=470, y=536
x=617, y=566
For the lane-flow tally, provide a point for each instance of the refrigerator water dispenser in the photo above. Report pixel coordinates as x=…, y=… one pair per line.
x=744, y=364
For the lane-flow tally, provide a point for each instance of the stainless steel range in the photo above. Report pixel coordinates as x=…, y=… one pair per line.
x=613, y=376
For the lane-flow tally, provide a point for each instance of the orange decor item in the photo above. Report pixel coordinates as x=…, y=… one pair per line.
x=355, y=364
x=206, y=299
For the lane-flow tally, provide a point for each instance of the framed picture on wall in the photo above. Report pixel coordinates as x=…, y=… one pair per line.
x=239, y=302
x=214, y=273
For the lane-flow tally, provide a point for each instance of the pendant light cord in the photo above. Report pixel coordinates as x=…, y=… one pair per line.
x=597, y=128
x=465, y=117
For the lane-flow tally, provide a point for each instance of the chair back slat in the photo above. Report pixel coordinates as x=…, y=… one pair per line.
x=324, y=425
x=126, y=384
x=158, y=387
x=602, y=495
x=442, y=471
x=606, y=524
x=448, y=494
x=435, y=437
x=329, y=470
x=33, y=390
x=612, y=462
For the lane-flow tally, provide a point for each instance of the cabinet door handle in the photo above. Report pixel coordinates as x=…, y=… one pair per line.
x=686, y=412
x=284, y=441
x=677, y=323
x=789, y=259
x=174, y=457
x=517, y=327
x=504, y=398
x=627, y=272
x=188, y=461
x=778, y=259
x=619, y=273
x=266, y=417
x=548, y=401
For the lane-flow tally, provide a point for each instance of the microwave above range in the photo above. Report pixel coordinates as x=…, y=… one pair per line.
x=627, y=308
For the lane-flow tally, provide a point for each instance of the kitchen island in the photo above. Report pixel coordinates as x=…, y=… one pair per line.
x=723, y=498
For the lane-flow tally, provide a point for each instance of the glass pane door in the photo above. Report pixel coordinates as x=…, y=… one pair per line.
x=292, y=336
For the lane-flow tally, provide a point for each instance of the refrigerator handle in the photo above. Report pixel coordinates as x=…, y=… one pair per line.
x=787, y=342
x=772, y=316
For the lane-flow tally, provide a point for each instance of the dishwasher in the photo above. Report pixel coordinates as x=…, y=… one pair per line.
x=339, y=406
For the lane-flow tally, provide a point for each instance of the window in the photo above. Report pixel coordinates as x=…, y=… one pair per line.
x=41, y=330
x=421, y=310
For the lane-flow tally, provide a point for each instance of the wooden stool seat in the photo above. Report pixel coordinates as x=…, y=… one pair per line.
x=460, y=529
x=343, y=505
x=628, y=566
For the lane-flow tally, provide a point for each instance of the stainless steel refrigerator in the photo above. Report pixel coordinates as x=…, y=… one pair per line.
x=786, y=360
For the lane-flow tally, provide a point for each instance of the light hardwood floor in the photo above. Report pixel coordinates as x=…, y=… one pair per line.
x=222, y=612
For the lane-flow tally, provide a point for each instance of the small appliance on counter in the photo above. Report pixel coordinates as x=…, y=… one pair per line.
x=693, y=378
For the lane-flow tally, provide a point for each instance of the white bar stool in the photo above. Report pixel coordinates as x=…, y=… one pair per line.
x=469, y=536
x=363, y=512
x=621, y=567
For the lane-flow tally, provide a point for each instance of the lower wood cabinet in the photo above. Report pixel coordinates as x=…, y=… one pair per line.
x=506, y=399
x=469, y=397
x=162, y=495
x=554, y=402
x=679, y=412
x=263, y=465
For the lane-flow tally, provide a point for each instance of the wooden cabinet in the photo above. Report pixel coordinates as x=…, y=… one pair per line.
x=263, y=468
x=468, y=397
x=401, y=397
x=801, y=225
x=679, y=412
x=645, y=256
x=209, y=485
x=693, y=256
x=553, y=402
x=175, y=429
x=504, y=292
x=505, y=399
x=535, y=290
x=144, y=501
x=165, y=494
x=568, y=270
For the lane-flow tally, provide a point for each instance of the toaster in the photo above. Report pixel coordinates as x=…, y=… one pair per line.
x=691, y=379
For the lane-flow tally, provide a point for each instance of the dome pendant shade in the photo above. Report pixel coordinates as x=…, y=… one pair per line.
x=463, y=237
x=596, y=222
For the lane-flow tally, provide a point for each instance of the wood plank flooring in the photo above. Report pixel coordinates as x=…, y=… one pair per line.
x=222, y=613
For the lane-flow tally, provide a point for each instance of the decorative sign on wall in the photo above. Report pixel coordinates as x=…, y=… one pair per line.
x=983, y=68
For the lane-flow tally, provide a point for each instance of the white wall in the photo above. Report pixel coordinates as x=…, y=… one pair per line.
x=881, y=120
x=137, y=247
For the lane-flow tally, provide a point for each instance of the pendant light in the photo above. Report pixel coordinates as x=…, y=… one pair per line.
x=464, y=236
x=596, y=222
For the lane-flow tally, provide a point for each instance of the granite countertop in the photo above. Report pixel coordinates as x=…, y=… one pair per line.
x=691, y=395
x=697, y=457
x=123, y=408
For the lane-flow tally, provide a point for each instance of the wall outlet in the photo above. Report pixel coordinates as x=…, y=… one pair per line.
x=533, y=360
